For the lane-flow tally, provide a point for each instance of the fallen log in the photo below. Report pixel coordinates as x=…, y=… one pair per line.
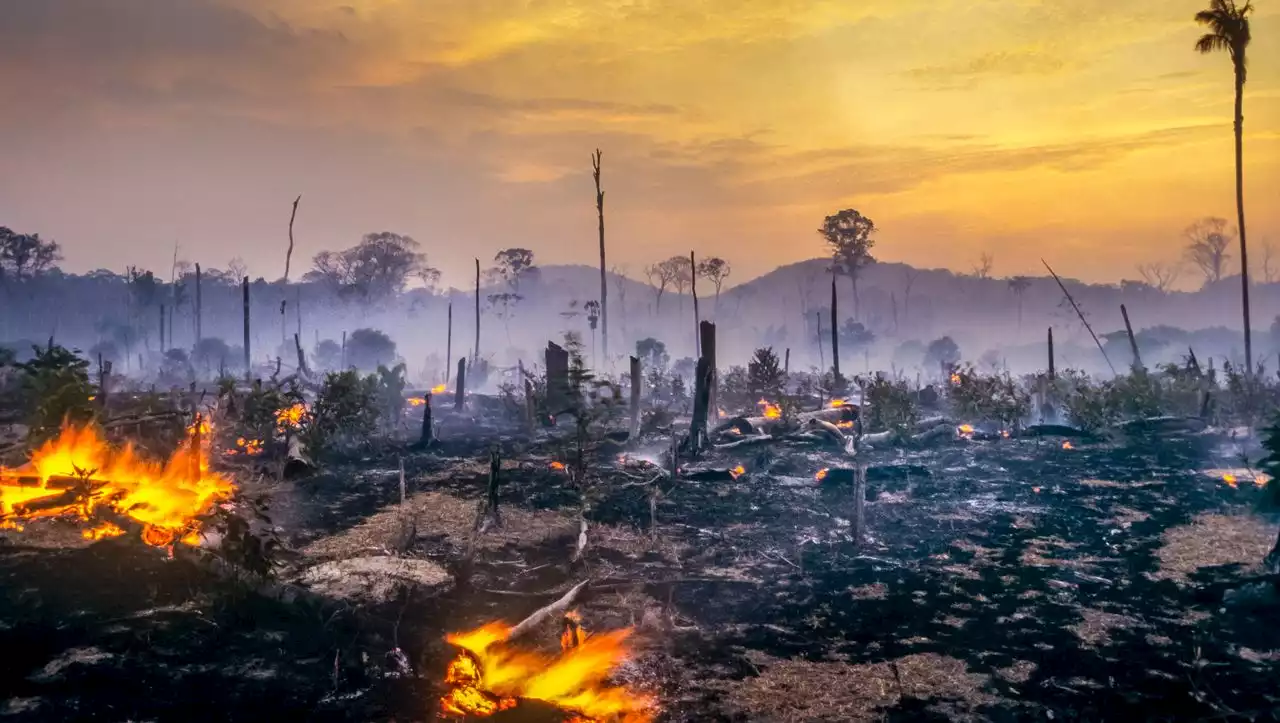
x=1162, y=425
x=1054, y=430
x=296, y=460
x=756, y=425
x=556, y=608
x=747, y=441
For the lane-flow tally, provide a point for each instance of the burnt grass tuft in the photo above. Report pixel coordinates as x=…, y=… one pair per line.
x=1007, y=580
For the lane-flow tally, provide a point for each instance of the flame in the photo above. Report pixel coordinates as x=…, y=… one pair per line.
x=955, y=378
x=965, y=430
x=78, y=473
x=417, y=401
x=822, y=474
x=1231, y=481
x=845, y=425
x=1067, y=445
x=251, y=447
x=721, y=413
x=557, y=465
x=836, y=403
x=488, y=675
x=737, y=472
x=771, y=411
x=439, y=388
x=291, y=417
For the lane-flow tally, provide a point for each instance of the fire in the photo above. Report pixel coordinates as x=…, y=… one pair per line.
x=965, y=430
x=836, y=403
x=737, y=472
x=822, y=474
x=251, y=447
x=489, y=675
x=557, y=465
x=1067, y=445
x=771, y=411
x=78, y=473
x=439, y=388
x=417, y=401
x=291, y=417
x=1231, y=481
x=955, y=378
x=845, y=424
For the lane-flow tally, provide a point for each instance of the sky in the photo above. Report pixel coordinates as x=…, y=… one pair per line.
x=1086, y=132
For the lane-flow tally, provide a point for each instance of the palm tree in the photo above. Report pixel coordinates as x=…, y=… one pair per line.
x=1228, y=25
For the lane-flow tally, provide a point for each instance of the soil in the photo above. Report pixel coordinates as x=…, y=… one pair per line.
x=1002, y=580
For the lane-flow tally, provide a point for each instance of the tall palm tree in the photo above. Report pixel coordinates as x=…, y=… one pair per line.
x=1228, y=25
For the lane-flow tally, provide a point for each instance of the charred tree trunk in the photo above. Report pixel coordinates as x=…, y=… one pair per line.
x=428, y=425
x=1052, y=372
x=288, y=255
x=162, y=340
x=344, y=351
x=604, y=287
x=634, y=433
x=104, y=382
x=701, y=395
x=459, y=394
x=490, y=518
x=837, y=381
x=859, y=504
x=707, y=341
x=448, y=345
x=302, y=357
x=697, y=320
x=248, y=363
x=475, y=355
x=199, y=308
x=558, y=392
x=1133, y=342
x=786, y=364
x=822, y=362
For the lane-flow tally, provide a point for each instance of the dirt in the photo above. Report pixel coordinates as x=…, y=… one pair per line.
x=1014, y=580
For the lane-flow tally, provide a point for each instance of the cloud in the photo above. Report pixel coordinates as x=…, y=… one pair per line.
x=1008, y=63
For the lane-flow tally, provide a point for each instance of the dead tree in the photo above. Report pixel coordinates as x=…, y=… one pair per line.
x=701, y=396
x=1052, y=372
x=428, y=426
x=859, y=504
x=835, y=341
x=475, y=356
x=448, y=344
x=822, y=362
x=604, y=289
x=162, y=346
x=786, y=364
x=634, y=433
x=459, y=395
x=693, y=289
x=1133, y=341
x=288, y=255
x=104, y=380
x=302, y=357
x=199, y=308
x=1080, y=314
x=557, y=363
x=248, y=365
x=489, y=518
x=707, y=344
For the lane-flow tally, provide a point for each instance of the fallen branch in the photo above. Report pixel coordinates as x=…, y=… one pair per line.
x=556, y=608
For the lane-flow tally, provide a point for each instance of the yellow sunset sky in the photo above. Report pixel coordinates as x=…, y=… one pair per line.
x=1082, y=131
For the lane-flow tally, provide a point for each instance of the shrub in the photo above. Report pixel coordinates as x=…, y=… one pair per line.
x=764, y=375
x=988, y=397
x=889, y=404
x=55, y=387
x=1089, y=406
x=344, y=414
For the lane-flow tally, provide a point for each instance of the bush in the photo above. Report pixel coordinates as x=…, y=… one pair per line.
x=889, y=404
x=344, y=414
x=367, y=349
x=55, y=388
x=764, y=375
x=1089, y=406
x=988, y=397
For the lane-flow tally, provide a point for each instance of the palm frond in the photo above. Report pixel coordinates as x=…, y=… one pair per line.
x=1211, y=42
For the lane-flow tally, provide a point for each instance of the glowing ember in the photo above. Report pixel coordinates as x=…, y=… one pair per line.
x=721, y=413
x=77, y=474
x=965, y=430
x=836, y=403
x=489, y=675
x=1004, y=434
x=251, y=447
x=439, y=388
x=1067, y=445
x=822, y=474
x=845, y=425
x=417, y=401
x=557, y=465
x=737, y=472
x=955, y=378
x=770, y=411
x=1036, y=490
x=1231, y=480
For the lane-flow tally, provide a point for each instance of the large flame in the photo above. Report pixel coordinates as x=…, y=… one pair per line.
x=78, y=473
x=439, y=388
x=290, y=417
x=770, y=410
x=489, y=675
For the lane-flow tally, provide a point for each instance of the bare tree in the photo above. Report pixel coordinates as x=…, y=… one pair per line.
x=682, y=275
x=661, y=275
x=909, y=276
x=848, y=233
x=1159, y=275
x=1019, y=285
x=716, y=270
x=1268, y=261
x=237, y=269
x=1207, y=243
x=982, y=269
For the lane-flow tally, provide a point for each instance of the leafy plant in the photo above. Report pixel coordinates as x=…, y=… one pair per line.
x=344, y=413
x=390, y=385
x=764, y=374
x=988, y=397
x=1089, y=406
x=55, y=388
x=889, y=404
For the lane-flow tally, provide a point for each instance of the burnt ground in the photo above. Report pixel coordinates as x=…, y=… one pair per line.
x=1007, y=580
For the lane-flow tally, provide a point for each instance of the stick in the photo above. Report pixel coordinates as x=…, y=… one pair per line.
x=1133, y=342
x=289, y=254
x=604, y=289
x=556, y=608
x=1081, y=315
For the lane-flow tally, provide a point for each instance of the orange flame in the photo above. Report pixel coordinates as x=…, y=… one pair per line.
x=488, y=675
x=771, y=411
x=78, y=473
x=439, y=388
x=1067, y=445
x=721, y=413
x=955, y=378
x=557, y=465
x=737, y=472
x=251, y=447
x=290, y=417
x=417, y=401
x=845, y=424
x=965, y=430
x=836, y=403
x=822, y=474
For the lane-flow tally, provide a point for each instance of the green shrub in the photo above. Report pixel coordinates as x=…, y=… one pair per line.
x=889, y=404
x=55, y=388
x=988, y=397
x=345, y=413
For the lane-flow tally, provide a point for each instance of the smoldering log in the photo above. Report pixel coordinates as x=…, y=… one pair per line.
x=756, y=425
x=556, y=608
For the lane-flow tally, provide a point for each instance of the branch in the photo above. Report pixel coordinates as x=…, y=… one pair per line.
x=289, y=254
x=542, y=613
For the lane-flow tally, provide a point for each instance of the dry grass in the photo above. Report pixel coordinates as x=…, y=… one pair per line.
x=874, y=591
x=1125, y=517
x=797, y=690
x=1211, y=540
x=1095, y=626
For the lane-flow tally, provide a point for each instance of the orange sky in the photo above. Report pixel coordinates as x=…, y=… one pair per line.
x=1086, y=131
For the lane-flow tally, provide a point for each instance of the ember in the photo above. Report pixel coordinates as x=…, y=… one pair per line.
x=417, y=401
x=738, y=471
x=78, y=474
x=965, y=430
x=557, y=465
x=439, y=388
x=955, y=378
x=822, y=474
x=1067, y=445
x=489, y=675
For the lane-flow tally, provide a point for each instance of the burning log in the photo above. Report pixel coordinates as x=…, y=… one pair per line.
x=559, y=607
x=756, y=425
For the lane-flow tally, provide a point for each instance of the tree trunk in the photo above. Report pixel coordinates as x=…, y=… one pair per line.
x=635, y=399
x=857, y=303
x=604, y=289
x=475, y=356
x=459, y=395
x=1244, y=249
x=448, y=346
x=199, y=307
x=248, y=363
x=835, y=338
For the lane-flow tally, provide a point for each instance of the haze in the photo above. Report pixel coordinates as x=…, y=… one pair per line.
x=1087, y=131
